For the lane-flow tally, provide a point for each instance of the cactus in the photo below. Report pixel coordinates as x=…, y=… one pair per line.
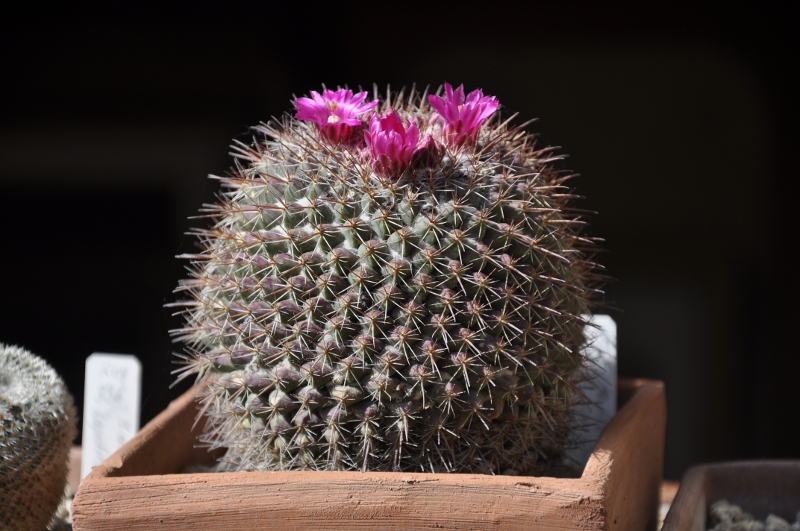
x=37, y=427
x=390, y=286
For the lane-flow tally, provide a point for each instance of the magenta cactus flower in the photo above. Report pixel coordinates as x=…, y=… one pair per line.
x=391, y=144
x=336, y=113
x=462, y=116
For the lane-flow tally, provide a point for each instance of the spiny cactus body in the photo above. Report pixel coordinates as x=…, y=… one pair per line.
x=403, y=295
x=37, y=427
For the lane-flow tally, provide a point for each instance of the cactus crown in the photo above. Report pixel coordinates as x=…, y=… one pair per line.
x=37, y=427
x=402, y=295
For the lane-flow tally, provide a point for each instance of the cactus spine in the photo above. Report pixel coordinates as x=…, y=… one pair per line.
x=37, y=427
x=403, y=294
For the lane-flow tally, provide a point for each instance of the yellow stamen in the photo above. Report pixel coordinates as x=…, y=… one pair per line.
x=332, y=119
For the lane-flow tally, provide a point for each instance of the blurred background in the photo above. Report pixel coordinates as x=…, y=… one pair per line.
x=682, y=120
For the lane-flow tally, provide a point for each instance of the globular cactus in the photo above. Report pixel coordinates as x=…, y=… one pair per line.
x=390, y=286
x=37, y=427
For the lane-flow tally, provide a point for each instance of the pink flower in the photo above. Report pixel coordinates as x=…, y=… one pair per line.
x=391, y=144
x=336, y=113
x=463, y=116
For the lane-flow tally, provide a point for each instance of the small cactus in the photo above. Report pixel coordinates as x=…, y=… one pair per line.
x=391, y=285
x=37, y=427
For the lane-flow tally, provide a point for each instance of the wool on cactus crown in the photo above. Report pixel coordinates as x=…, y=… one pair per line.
x=359, y=304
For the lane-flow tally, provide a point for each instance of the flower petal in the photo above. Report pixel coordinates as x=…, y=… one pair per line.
x=463, y=117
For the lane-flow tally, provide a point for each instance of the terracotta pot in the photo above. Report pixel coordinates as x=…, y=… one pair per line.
x=140, y=486
x=758, y=487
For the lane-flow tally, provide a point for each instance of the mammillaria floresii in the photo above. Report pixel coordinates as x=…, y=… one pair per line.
x=391, y=285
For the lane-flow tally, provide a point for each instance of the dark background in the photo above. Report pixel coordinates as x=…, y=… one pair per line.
x=682, y=120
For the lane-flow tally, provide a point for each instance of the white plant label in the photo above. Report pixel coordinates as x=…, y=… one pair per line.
x=112, y=397
x=599, y=388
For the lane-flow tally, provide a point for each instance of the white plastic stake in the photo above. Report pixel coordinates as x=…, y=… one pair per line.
x=112, y=397
x=599, y=388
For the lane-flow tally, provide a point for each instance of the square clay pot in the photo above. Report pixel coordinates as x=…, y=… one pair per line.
x=140, y=487
x=758, y=487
